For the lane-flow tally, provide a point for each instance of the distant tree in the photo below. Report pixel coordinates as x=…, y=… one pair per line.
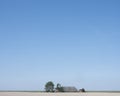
x=59, y=88
x=49, y=86
x=82, y=90
x=58, y=85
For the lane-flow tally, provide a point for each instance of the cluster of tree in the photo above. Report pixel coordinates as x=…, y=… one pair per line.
x=50, y=87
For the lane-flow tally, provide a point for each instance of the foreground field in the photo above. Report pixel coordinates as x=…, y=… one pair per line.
x=56, y=94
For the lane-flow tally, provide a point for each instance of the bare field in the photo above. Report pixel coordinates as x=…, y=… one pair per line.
x=57, y=94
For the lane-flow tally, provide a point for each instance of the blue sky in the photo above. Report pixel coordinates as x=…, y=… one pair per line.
x=71, y=42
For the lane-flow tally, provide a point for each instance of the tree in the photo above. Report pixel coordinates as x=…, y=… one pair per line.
x=58, y=85
x=82, y=90
x=49, y=86
x=59, y=88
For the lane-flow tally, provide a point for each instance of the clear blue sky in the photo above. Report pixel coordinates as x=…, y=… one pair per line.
x=71, y=42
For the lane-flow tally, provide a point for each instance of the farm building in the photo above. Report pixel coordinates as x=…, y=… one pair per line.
x=69, y=89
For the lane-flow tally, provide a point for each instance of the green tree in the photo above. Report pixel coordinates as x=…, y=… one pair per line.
x=59, y=88
x=58, y=85
x=49, y=86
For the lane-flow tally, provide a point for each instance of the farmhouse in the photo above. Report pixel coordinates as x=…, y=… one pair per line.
x=69, y=89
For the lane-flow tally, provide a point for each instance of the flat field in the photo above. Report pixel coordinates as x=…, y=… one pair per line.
x=58, y=94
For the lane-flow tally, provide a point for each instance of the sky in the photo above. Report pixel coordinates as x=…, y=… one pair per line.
x=71, y=42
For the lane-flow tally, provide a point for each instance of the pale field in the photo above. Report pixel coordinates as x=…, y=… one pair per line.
x=57, y=94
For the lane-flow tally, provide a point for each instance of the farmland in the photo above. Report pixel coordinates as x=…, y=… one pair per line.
x=59, y=94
